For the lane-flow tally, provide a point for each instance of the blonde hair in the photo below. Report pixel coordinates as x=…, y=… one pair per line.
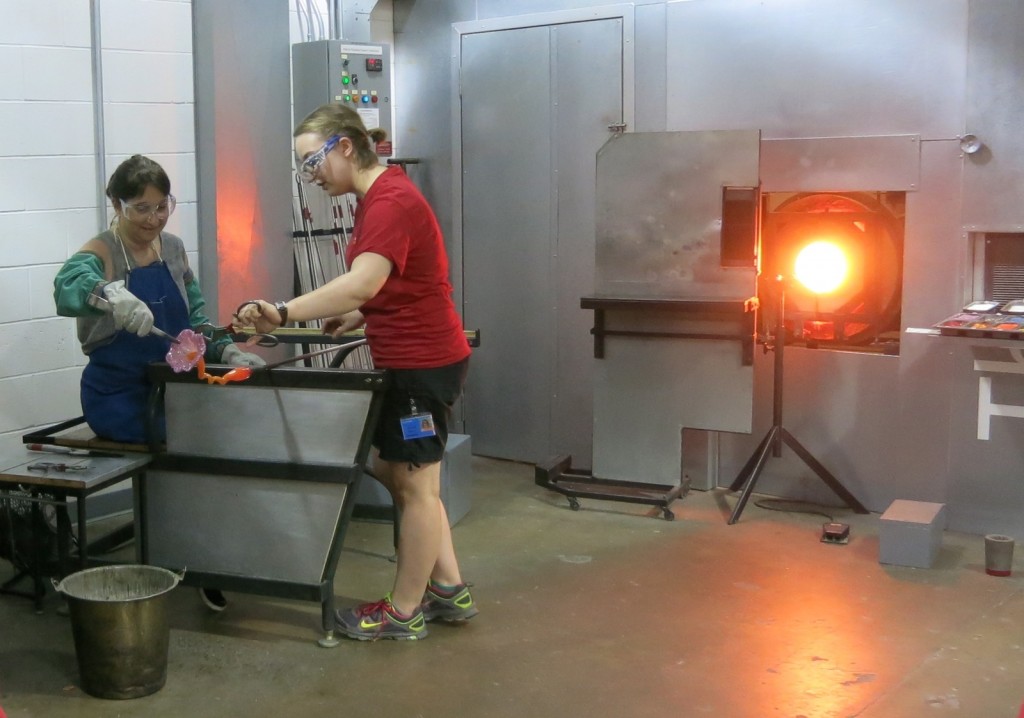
x=332, y=119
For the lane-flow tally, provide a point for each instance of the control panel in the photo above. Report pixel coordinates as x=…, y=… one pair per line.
x=357, y=75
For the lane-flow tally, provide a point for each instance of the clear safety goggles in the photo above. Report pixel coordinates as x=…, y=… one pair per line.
x=141, y=211
x=308, y=167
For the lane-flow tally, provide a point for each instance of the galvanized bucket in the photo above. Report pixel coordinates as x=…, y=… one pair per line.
x=119, y=620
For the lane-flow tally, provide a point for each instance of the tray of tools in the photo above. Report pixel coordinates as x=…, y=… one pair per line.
x=988, y=319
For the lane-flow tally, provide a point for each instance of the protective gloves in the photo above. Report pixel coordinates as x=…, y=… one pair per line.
x=236, y=357
x=130, y=312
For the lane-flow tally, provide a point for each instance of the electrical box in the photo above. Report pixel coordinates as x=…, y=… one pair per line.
x=354, y=74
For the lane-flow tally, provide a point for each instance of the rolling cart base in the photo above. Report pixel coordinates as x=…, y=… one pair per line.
x=557, y=474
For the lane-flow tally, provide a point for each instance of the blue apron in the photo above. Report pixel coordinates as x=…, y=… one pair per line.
x=115, y=390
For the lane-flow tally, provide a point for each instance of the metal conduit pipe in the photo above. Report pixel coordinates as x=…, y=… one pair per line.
x=99, y=129
x=333, y=20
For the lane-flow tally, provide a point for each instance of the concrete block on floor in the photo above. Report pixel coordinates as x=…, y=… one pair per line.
x=910, y=533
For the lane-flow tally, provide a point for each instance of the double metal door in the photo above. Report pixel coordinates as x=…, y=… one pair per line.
x=536, y=106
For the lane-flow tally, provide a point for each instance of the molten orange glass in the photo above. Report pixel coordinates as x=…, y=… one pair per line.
x=240, y=373
x=821, y=266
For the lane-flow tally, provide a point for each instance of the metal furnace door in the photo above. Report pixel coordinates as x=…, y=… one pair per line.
x=536, y=105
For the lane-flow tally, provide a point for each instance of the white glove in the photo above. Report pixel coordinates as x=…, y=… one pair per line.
x=236, y=357
x=130, y=312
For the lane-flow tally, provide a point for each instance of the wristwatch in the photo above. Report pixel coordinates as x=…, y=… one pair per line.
x=282, y=309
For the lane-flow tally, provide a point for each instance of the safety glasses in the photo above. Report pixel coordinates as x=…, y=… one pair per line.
x=142, y=211
x=308, y=167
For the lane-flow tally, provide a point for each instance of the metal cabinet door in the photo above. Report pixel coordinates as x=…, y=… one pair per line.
x=536, y=105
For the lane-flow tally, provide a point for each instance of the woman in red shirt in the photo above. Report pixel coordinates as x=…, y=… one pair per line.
x=397, y=285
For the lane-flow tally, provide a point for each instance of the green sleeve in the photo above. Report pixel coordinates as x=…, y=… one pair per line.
x=196, y=317
x=76, y=281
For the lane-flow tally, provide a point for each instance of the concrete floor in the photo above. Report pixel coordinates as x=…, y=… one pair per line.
x=609, y=611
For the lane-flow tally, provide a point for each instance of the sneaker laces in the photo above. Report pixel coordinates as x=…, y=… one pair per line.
x=369, y=609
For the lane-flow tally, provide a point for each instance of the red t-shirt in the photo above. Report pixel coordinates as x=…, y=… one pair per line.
x=411, y=323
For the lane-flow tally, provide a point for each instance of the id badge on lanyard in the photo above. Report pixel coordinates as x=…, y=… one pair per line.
x=417, y=425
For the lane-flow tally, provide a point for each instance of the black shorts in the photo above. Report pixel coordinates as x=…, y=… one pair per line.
x=418, y=391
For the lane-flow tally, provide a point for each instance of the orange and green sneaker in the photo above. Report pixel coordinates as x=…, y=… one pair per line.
x=372, y=621
x=453, y=604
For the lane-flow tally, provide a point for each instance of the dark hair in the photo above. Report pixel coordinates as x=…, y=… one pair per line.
x=132, y=176
x=328, y=120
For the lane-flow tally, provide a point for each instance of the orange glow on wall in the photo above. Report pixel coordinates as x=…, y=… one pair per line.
x=241, y=235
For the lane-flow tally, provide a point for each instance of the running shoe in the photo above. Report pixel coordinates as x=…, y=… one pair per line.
x=371, y=621
x=455, y=606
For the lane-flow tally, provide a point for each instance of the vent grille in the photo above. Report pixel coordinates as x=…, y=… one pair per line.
x=1004, y=266
x=1007, y=282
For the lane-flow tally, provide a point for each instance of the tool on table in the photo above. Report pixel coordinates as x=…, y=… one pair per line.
x=57, y=466
x=52, y=449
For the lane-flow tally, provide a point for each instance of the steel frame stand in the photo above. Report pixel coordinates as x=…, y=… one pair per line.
x=777, y=435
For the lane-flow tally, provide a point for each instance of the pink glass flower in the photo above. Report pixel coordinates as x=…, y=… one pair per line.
x=188, y=352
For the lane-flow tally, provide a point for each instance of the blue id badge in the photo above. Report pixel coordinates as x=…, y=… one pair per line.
x=417, y=426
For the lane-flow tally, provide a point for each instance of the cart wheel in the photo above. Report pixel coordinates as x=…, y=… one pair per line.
x=574, y=503
x=668, y=515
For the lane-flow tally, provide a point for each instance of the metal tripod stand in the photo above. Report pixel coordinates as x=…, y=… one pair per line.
x=777, y=435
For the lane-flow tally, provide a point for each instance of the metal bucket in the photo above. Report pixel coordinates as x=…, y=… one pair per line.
x=119, y=619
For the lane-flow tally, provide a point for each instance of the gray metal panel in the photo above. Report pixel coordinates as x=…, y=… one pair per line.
x=845, y=164
x=528, y=228
x=507, y=245
x=582, y=112
x=307, y=426
x=995, y=104
x=659, y=214
x=243, y=162
x=243, y=526
x=646, y=391
x=310, y=85
x=650, y=77
x=818, y=68
x=985, y=488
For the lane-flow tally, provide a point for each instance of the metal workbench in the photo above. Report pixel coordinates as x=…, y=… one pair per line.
x=255, y=490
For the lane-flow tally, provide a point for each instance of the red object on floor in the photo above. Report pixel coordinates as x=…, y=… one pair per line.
x=1021, y=715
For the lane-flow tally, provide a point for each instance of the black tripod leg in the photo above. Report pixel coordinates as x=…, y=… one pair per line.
x=749, y=466
x=831, y=481
x=759, y=458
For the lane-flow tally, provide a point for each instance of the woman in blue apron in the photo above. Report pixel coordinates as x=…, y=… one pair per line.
x=118, y=286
